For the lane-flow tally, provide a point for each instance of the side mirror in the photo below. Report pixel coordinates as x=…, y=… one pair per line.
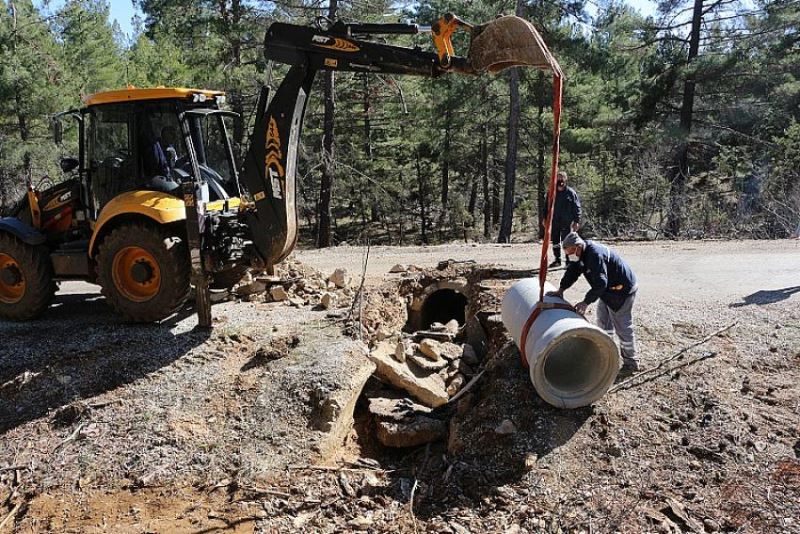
x=58, y=132
x=69, y=164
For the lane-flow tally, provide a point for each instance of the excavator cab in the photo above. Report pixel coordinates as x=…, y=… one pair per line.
x=152, y=205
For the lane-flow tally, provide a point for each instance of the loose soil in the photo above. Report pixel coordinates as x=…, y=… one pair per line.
x=108, y=427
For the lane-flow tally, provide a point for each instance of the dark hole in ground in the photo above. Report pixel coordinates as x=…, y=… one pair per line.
x=443, y=306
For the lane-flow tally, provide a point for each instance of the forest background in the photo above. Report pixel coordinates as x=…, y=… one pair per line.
x=682, y=123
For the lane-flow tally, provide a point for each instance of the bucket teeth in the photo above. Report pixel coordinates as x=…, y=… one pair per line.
x=508, y=42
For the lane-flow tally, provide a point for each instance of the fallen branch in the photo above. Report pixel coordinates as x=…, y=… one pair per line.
x=679, y=354
x=357, y=299
x=10, y=515
x=72, y=437
x=337, y=469
x=467, y=387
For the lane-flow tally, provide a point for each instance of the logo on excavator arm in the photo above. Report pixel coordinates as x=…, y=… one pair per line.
x=334, y=43
x=274, y=168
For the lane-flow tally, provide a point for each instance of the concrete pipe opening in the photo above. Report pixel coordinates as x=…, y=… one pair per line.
x=442, y=306
x=572, y=362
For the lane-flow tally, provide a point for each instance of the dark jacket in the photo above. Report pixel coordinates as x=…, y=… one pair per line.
x=612, y=279
x=567, y=208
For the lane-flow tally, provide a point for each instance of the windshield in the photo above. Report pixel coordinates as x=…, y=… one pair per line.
x=210, y=141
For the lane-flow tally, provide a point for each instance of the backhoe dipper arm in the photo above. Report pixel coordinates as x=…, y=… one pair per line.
x=271, y=163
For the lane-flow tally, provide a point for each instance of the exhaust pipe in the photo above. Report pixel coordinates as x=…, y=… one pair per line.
x=572, y=362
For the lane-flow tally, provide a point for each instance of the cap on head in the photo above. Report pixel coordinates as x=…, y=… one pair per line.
x=573, y=240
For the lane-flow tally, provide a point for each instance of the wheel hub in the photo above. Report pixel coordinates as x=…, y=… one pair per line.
x=136, y=274
x=142, y=272
x=12, y=281
x=11, y=275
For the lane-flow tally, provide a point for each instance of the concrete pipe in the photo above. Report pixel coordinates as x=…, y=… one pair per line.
x=572, y=362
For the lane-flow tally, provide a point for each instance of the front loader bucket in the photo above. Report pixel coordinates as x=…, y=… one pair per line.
x=507, y=42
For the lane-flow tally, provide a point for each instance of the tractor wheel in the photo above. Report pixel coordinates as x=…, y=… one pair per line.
x=144, y=271
x=26, y=279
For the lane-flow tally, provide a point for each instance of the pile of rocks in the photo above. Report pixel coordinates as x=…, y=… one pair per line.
x=426, y=369
x=297, y=285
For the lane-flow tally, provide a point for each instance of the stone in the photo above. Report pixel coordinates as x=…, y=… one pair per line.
x=437, y=327
x=253, y=288
x=469, y=355
x=427, y=388
x=450, y=351
x=403, y=350
x=431, y=348
x=390, y=406
x=418, y=431
x=383, y=333
x=278, y=294
x=360, y=523
x=340, y=278
x=399, y=268
x=506, y=428
x=297, y=302
x=455, y=384
x=328, y=300
x=452, y=326
x=426, y=363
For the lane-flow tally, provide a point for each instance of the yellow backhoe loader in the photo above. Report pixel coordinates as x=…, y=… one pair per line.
x=153, y=204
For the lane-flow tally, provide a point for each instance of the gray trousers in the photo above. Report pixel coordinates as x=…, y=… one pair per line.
x=621, y=322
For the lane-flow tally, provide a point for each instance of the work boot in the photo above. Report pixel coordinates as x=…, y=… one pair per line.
x=556, y=263
x=629, y=367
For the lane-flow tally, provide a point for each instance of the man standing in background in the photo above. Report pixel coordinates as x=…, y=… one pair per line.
x=566, y=215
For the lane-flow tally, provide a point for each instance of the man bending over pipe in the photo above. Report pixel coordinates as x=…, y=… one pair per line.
x=613, y=283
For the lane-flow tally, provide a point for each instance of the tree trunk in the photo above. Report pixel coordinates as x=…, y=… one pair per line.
x=326, y=184
x=487, y=200
x=421, y=194
x=680, y=167
x=495, y=184
x=511, y=160
x=446, y=161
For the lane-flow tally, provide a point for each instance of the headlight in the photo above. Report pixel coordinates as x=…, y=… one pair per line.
x=221, y=100
x=199, y=97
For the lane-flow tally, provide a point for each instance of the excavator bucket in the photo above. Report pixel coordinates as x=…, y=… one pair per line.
x=507, y=42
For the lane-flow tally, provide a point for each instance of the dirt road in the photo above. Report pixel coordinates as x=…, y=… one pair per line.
x=693, y=270
x=768, y=271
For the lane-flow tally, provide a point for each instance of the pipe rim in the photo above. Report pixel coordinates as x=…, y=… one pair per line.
x=562, y=398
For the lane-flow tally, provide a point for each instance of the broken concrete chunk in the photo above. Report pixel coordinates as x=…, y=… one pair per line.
x=328, y=300
x=430, y=334
x=278, y=294
x=395, y=408
x=426, y=363
x=427, y=388
x=253, y=288
x=452, y=326
x=403, y=350
x=297, y=302
x=340, y=278
x=399, y=268
x=450, y=351
x=431, y=349
x=455, y=384
x=383, y=333
x=469, y=355
x=420, y=430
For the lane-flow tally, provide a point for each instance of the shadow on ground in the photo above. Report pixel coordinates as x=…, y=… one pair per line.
x=763, y=297
x=87, y=351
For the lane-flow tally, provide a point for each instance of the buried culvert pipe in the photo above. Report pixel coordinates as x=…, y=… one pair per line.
x=572, y=362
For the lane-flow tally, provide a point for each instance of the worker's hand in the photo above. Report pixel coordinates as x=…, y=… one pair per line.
x=576, y=226
x=559, y=293
x=581, y=308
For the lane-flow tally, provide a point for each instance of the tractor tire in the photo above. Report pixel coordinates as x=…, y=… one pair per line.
x=144, y=271
x=26, y=279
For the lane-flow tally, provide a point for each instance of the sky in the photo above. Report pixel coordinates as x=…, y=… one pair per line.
x=123, y=11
